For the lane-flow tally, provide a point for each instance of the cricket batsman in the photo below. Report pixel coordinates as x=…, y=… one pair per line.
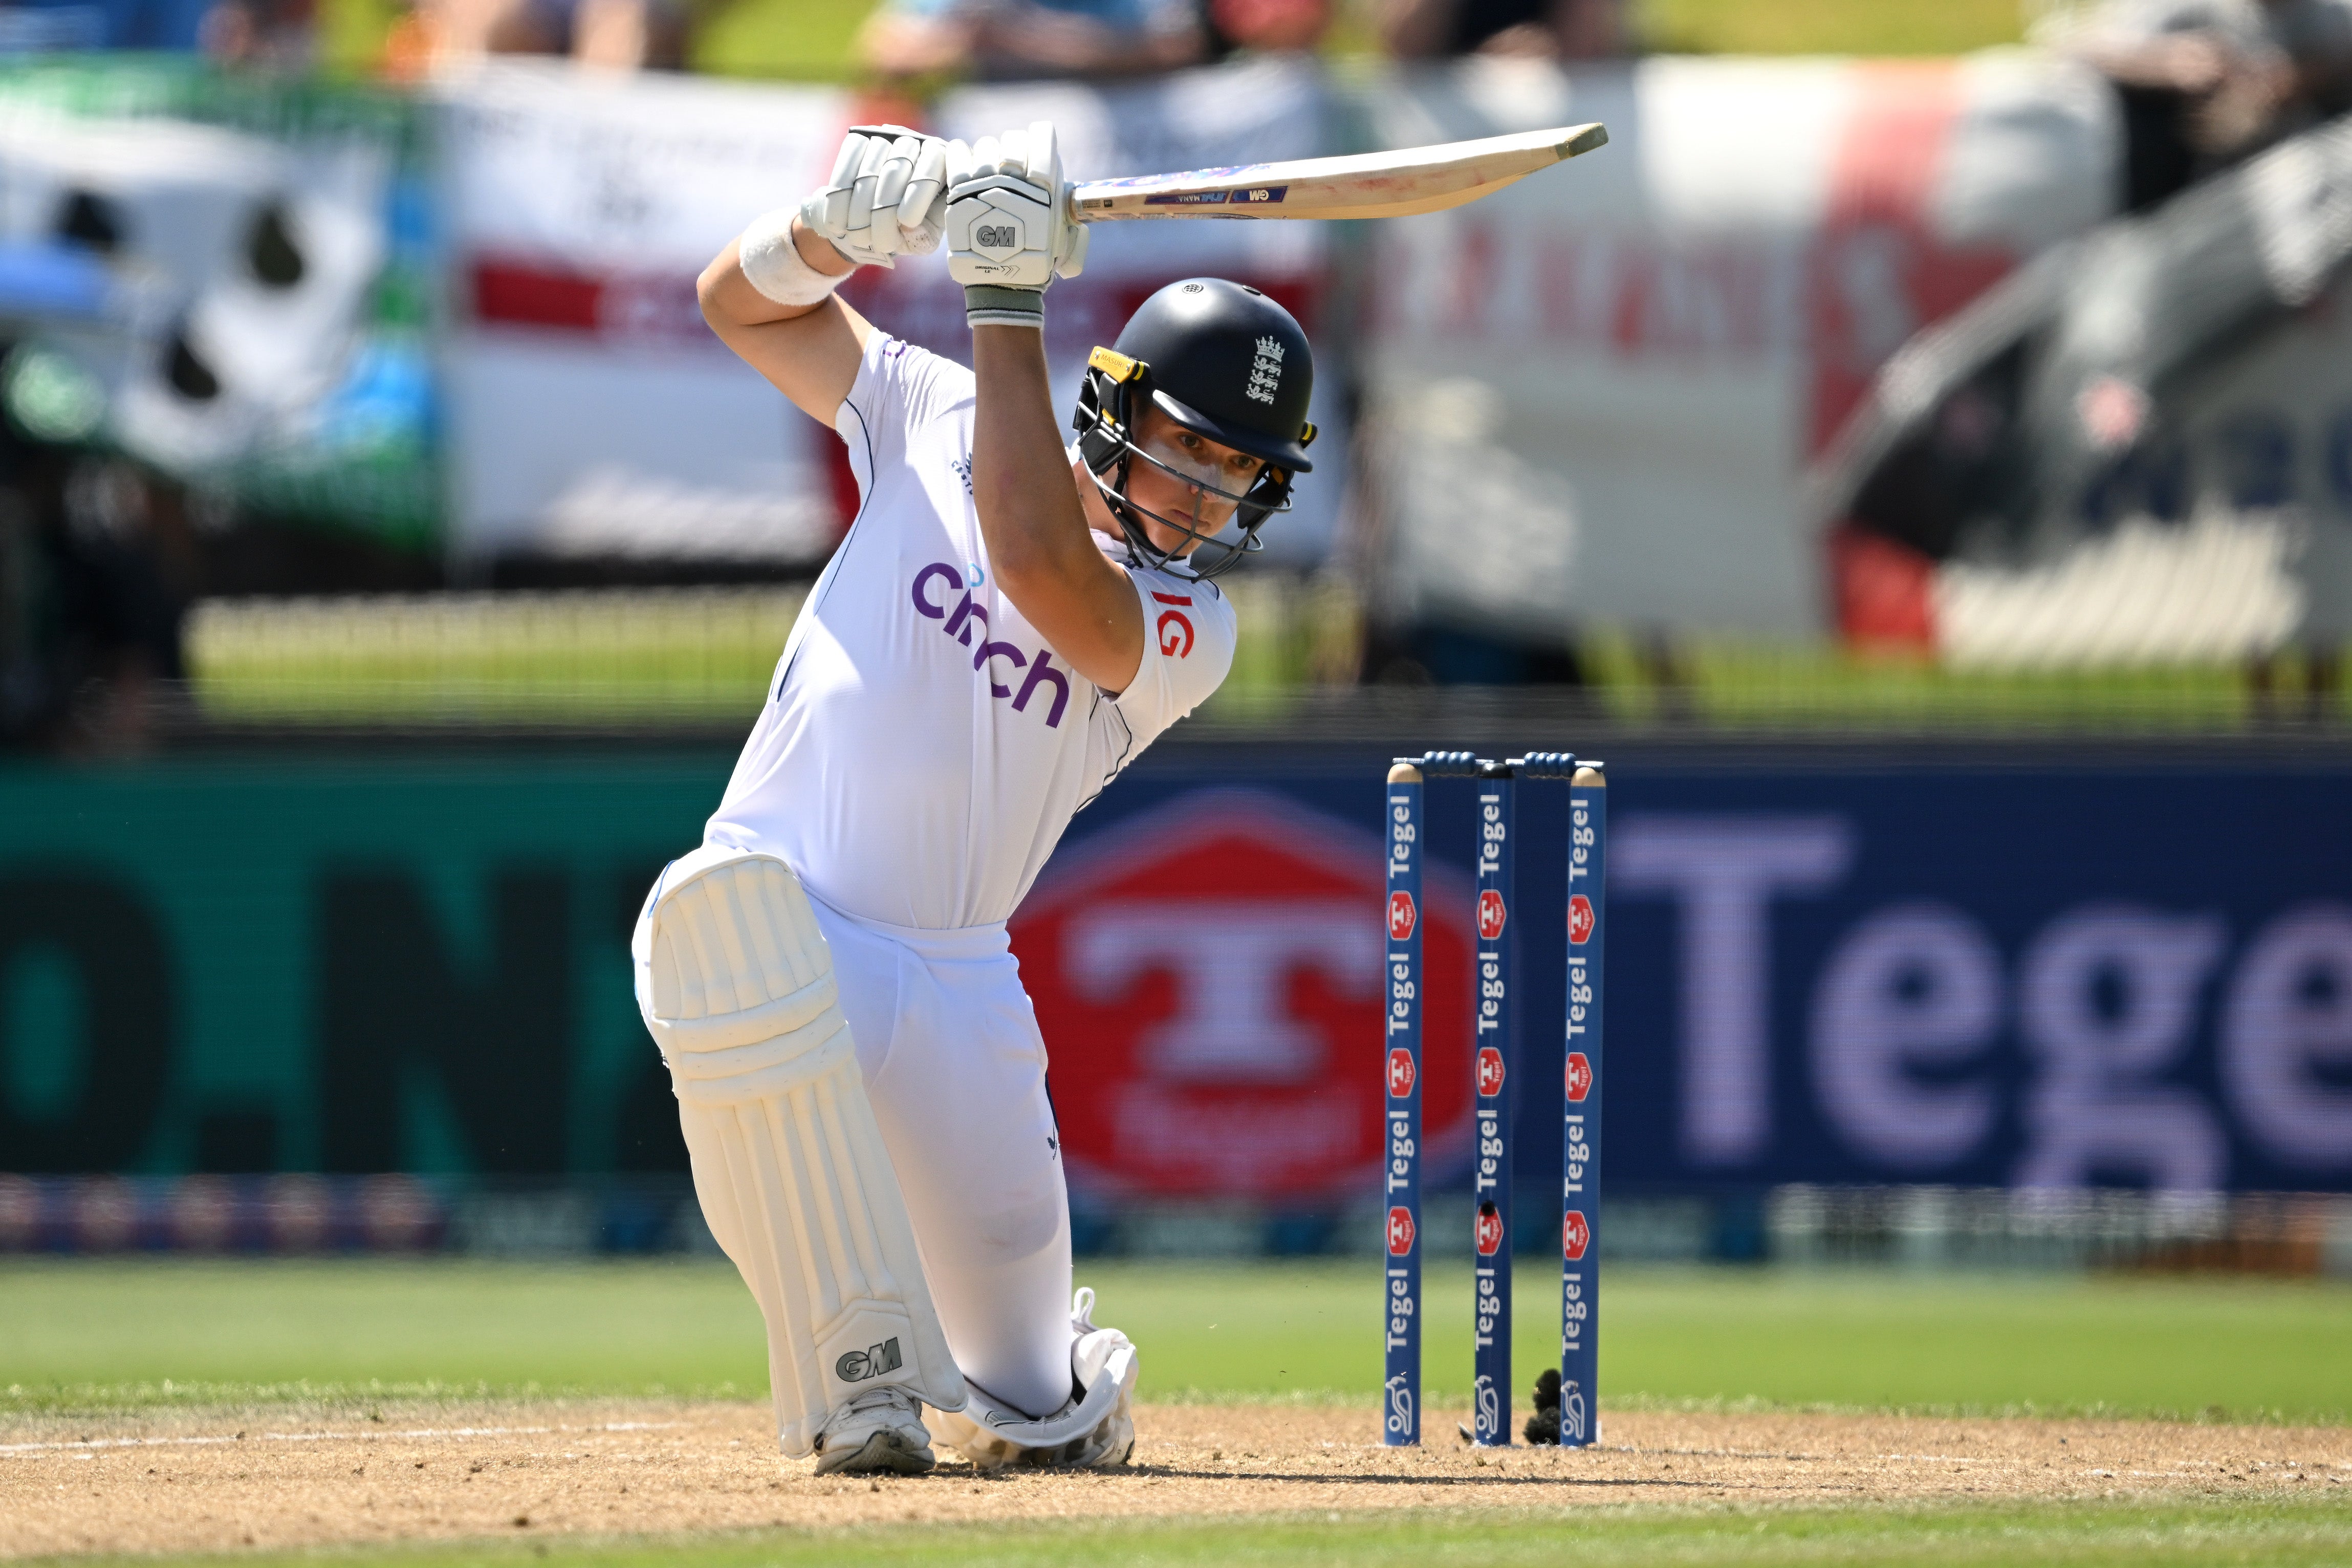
x=1007, y=624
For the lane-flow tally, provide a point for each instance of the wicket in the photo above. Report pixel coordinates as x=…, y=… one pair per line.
x=1493, y=1058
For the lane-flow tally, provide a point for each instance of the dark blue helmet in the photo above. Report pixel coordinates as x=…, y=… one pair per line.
x=1220, y=359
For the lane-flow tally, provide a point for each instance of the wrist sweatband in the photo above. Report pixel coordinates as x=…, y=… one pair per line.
x=989, y=305
x=774, y=266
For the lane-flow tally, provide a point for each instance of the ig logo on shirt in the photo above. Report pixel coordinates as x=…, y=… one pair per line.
x=1175, y=627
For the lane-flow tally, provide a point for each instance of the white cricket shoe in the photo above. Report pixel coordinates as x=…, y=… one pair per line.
x=1095, y=1428
x=877, y=1429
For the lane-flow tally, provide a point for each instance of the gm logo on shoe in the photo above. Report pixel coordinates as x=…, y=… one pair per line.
x=857, y=1367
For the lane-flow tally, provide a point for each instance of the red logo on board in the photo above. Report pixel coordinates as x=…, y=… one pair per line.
x=1400, y=915
x=1579, y=1075
x=1490, y=1072
x=1490, y=1231
x=1575, y=1235
x=1400, y=1232
x=1399, y=1073
x=1491, y=915
x=1255, y=1067
x=1580, y=919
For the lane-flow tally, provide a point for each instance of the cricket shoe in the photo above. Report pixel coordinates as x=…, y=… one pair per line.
x=875, y=1430
x=1095, y=1428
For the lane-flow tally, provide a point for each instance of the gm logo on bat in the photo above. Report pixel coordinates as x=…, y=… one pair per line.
x=1254, y=196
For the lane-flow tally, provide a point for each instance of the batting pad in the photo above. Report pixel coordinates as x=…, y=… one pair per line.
x=736, y=986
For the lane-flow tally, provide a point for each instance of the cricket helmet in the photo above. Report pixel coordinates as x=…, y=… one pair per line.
x=1224, y=360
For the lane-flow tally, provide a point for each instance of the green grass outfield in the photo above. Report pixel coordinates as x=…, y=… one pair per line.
x=2291, y=1534
x=100, y=1334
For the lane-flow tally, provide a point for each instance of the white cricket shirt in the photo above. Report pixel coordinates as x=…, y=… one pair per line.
x=922, y=748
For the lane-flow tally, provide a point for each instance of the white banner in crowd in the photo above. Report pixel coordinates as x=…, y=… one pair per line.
x=209, y=284
x=592, y=411
x=595, y=413
x=1600, y=388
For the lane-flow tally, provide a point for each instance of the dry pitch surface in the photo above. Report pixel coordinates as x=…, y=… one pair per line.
x=177, y=1483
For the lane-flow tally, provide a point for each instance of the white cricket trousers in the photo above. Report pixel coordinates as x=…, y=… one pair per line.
x=948, y=1044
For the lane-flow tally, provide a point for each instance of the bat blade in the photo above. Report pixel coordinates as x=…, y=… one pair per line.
x=1395, y=184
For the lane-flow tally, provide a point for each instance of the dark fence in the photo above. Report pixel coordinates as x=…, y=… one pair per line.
x=1960, y=965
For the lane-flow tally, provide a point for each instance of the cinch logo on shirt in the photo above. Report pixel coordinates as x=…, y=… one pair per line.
x=966, y=617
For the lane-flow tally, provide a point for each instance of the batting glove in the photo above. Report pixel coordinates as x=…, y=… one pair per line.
x=1008, y=233
x=885, y=197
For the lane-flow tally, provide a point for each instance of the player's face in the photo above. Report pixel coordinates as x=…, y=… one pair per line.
x=1161, y=486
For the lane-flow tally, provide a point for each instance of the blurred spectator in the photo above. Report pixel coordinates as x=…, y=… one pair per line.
x=280, y=35
x=1559, y=29
x=95, y=565
x=618, y=34
x=1016, y=39
x=2207, y=82
x=628, y=35
x=1268, y=26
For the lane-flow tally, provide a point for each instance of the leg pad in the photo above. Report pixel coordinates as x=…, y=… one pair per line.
x=736, y=986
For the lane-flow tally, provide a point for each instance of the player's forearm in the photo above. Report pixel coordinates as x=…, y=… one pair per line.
x=730, y=299
x=807, y=344
x=1028, y=508
x=1039, y=547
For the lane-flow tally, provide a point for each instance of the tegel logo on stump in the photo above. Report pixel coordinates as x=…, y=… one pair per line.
x=1490, y=1072
x=1209, y=979
x=1401, y=915
x=1580, y=919
x=1399, y=1073
x=1491, y=915
x=968, y=616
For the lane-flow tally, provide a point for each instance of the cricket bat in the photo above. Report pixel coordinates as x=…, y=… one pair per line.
x=1368, y=185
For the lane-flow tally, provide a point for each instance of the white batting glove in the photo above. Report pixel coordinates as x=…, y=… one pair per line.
x=887, y=195
x=1009, y=232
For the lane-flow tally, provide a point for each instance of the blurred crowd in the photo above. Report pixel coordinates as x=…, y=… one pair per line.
x=901, y=41
x=2204, y=84
x=99, y=558
x=97, y=565
x=910, y=42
